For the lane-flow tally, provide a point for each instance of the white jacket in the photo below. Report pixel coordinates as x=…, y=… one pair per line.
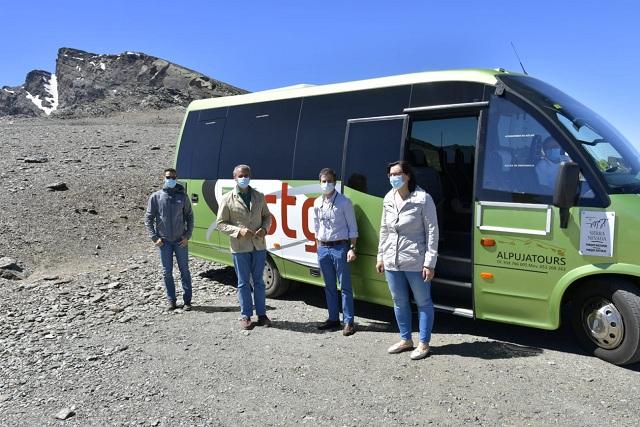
x=408, y=232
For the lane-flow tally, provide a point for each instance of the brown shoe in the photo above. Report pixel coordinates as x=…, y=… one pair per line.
x=349, y=329
x=264, y=321
x=245, y=323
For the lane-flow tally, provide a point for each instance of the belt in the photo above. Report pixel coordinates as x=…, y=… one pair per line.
x=334, y=243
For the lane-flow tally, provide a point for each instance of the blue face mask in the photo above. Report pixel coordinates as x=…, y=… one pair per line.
x=327, y=187
x=169, y=183
x=554, y=154
x=396, y=181
x=243, y=182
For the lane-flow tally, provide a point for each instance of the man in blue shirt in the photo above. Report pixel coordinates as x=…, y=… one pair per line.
x=336, y=234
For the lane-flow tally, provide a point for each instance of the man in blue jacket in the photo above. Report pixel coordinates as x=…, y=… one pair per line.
x=169, y=221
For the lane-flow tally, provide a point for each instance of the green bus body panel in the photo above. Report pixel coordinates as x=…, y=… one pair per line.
x=533, y=272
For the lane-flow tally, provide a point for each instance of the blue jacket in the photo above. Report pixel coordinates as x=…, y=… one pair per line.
x=169, y=215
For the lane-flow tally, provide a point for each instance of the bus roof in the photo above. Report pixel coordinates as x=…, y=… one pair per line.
x=486, y=76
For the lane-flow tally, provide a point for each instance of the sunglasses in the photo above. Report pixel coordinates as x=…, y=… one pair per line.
x=170, y=177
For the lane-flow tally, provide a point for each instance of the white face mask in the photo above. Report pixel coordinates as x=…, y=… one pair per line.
x=327, y=187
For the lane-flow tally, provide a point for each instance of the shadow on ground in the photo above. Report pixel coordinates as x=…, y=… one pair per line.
x=510, y=340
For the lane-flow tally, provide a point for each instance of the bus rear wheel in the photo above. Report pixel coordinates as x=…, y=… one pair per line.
x=275, y=285
x=606, y=319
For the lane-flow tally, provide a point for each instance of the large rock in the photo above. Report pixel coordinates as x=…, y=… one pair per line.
x=90, y=84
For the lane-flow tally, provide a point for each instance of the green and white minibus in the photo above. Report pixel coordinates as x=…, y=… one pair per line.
x=524, y=238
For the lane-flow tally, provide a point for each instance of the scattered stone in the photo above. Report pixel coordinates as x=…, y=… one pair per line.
x=97, y=298
x=58, y=186
x=11, y=274
x=65, y=413
x=36, y=160
x=8, y=263
x=4, y=397
x=115, y=308
x=113, y=285
x=155, y=148
x=50, y=277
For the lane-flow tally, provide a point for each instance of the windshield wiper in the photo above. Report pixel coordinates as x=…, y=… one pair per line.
x=594, y=142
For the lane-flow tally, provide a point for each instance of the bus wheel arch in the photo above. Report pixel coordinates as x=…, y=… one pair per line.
x=275, y=284
x=604, y=313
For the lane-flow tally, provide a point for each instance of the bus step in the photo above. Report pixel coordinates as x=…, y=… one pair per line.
x=457, y=311
x=447, y=282
x=459, y=269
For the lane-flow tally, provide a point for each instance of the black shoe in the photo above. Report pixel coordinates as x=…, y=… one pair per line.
x=329, y=325
x=171, y=305
x=186, y=307
x=264, y=321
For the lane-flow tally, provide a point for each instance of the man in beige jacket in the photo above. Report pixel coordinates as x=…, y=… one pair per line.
x=243, y=216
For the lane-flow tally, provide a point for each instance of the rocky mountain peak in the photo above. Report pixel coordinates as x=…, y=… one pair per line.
x=86, y=83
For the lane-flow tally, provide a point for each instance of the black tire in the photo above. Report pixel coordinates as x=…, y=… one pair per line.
x=605, y=316
x=275, y=285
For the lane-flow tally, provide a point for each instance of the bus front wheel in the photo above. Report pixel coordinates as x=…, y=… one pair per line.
x=275, y=285
x=606, y=319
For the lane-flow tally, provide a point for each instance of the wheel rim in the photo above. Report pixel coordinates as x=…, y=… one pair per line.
x=603, y=323
x=267, y=275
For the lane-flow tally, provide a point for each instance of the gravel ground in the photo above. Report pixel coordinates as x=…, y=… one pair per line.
x=84, y=336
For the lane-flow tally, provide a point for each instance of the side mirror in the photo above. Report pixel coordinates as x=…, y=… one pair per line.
x=566, y=190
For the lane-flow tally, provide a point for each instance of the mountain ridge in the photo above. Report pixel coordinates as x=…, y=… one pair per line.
x=86, y=83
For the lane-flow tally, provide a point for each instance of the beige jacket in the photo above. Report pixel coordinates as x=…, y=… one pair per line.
x=233, y=215
x=408, y=232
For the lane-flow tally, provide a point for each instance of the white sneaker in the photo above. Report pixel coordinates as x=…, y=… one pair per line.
x=420, y=352
x=400, y=346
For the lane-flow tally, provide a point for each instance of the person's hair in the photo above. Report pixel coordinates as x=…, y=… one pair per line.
x=406, y=169
x=172, y=170
x=241, y=168
x=327, y=172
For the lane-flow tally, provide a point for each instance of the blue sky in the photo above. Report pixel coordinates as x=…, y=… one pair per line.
x=589, y=49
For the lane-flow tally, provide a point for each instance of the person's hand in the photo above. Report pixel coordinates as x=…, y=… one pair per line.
x=158, y=242
x=244, y=231
x=351, y=255
x=427, y=274
x=184, y=242
x=260, y=232
x=380, y=267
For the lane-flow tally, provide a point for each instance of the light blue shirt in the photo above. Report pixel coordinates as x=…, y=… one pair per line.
x=334, y=218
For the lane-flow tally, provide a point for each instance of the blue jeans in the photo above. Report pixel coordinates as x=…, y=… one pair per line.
x=335, y=268
x=399, y=284
x=182, y=257
x=250, y=265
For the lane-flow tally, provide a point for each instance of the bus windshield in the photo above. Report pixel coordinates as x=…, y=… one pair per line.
x=614, y=156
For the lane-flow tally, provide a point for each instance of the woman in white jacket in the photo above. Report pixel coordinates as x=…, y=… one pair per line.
x=407, y=254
